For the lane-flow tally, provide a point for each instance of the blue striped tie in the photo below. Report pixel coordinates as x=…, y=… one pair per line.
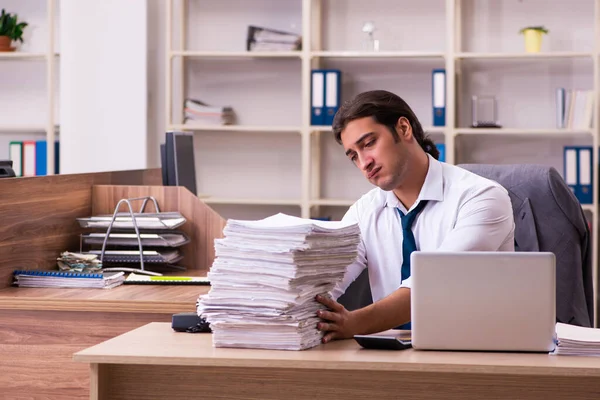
x=408, y=242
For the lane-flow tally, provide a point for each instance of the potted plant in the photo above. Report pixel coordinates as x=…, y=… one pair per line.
x=10, y=30
x=533, y=38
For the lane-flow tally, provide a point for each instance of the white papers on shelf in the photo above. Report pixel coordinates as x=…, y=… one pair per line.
x=575, y=340
x=201, y=113
x=266, y=275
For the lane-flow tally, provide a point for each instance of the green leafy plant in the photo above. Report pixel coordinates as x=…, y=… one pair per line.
x=11, y=27
x=535, y=28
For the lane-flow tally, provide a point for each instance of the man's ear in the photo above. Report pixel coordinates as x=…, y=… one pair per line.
x=403, y=128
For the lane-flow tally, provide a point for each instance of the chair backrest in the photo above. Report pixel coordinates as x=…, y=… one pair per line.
x=548, y=217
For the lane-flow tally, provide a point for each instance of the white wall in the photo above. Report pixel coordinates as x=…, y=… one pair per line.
x=103, y=85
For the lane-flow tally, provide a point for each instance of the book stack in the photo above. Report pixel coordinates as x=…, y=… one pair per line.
x=265, y=39
x=199, y=112
x=266, y=275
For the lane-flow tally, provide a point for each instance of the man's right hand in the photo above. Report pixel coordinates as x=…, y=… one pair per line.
x=339, y=323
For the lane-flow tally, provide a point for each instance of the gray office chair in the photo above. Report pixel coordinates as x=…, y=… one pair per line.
x=548, y=217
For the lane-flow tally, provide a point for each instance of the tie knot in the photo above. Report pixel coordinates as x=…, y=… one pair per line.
x=408, y=219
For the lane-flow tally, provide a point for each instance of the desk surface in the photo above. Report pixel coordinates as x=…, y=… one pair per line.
x=158, y=344
x=167, y=299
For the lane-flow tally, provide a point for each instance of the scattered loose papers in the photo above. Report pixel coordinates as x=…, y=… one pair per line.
x=77, y=262
x=266, y=275
x=575, y=340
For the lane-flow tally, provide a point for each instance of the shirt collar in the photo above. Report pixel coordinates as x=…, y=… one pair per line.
x=432, y=189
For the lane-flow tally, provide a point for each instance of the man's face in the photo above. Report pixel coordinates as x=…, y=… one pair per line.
x=372, y=148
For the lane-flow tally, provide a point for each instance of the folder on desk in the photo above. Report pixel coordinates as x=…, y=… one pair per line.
x=137, y=279
x=41, y=157
x=317, y=87
x=132, y=256
x=15, y=154
x=29, y=158
x=130, y=239
x=438, y=95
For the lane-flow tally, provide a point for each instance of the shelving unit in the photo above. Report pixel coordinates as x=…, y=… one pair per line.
x=476, y=41
x=39, y=46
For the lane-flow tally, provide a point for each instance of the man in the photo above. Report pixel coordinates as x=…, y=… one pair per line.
x=419, y=203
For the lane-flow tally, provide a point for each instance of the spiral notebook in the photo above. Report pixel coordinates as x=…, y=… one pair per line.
x=63, y=279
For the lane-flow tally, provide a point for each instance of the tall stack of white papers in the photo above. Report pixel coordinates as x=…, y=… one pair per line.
x=266, y=275
x=575, y=340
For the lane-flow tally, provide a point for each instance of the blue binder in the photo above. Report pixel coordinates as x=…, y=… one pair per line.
x=578, y=172
x=585, y=174
x=442, y=149
x=317, y=105
x=41, y=158
x=57, y=157
x=438, y=96
x=333, y=83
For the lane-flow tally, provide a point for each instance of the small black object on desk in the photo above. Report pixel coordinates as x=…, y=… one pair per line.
x=190, y=322
x=6, y=170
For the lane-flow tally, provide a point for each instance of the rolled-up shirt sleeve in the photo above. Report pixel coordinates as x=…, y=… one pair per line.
x=353, y=270
x=484, y=223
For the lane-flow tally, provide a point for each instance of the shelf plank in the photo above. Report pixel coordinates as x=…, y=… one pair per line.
x=530, y=56
x=427, y=129
x=522, y=131
x=237, y=54
x=332, y=202
x=22, y=129
x=377, y=54
x=18, y=55
x=235, y=128
x=250, y=201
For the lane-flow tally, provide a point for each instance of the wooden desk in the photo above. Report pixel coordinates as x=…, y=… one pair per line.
x=155, y=362
x=40, y=329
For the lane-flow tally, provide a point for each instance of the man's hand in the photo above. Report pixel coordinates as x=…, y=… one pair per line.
x=339, y=323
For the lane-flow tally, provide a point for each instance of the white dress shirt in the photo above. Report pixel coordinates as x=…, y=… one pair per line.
x=465, y=212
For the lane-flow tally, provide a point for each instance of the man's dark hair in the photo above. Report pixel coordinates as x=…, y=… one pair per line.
x=385, y=108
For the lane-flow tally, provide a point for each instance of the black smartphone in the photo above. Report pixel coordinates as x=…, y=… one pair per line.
x=383, y=342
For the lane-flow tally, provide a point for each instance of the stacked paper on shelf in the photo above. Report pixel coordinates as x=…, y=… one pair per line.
x=266, y=39
x=575, y=340
x=266, y=275
x=199, y=112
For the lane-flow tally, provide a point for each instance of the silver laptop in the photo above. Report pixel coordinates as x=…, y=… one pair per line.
x=483, y=301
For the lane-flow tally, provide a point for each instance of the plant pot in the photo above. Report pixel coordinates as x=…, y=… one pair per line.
x=5, y=43
x=533, y=40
